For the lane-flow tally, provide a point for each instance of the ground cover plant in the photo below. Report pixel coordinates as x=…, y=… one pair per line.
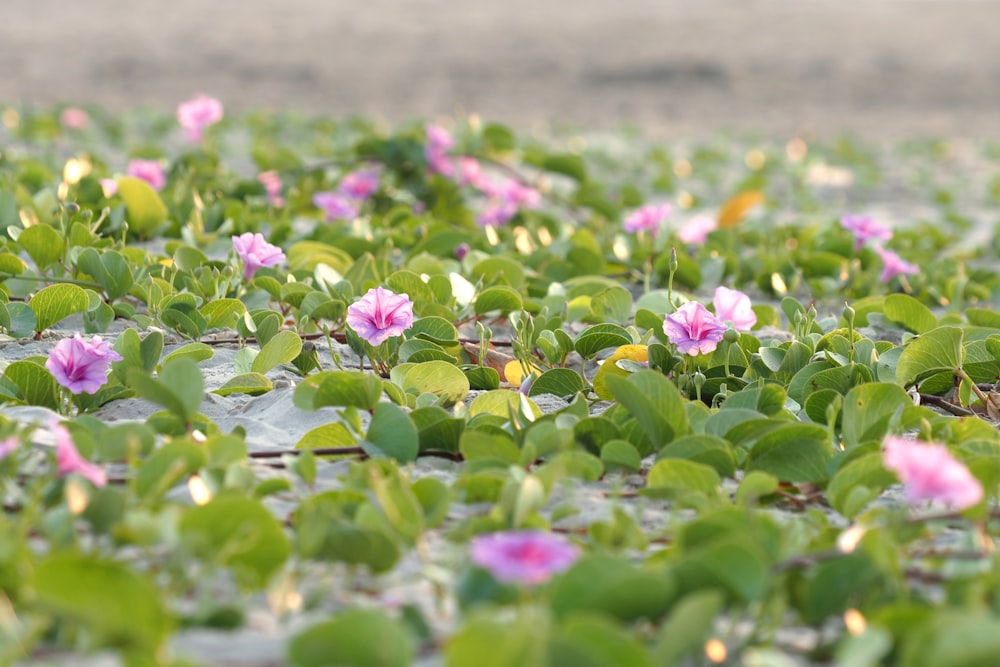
x=337, y=393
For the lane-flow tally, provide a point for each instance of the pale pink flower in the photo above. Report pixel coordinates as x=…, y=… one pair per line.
x=526, y=557
x=109, y=187
x=9, y=445
x=497, y=214
x=693, y=329
x=380, y=315
x=470, y=172
x=439, y=143
x=930, y=472
x=80, y=365
x=520, y=195
x=74, y=118
x=68, y=459
x=272, y=186
x=649, y=217
x=893, y=265
x=197, y=114
x=336, y=206
x=734, y=306
x=150, y=171
x=360, y=185
x=256, y=253
x=865, y=229
x=695, y=231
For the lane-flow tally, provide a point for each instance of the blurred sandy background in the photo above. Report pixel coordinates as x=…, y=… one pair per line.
x=883, y=68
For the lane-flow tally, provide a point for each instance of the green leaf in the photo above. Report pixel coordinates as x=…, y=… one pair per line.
x=566, y=164
x=868, y=409
x=179, y=388
x=655, y=403
x=613, y=304
x=196, y=352
x=108, y=268
x=690, y=624
x=333, y=434
x=867, y=473
x=679, y=477
x=611, y=586
x=253, y=384
x=359, y=637
x=223, y=313
x=36, y=386
x=22, y=320
x=486, y=641
x=340, y=388
x=953, y=637
x=498, y=298
x=392, y=433
x=560, y=382
x=56, y=302
x=937, y=351
x=144, y=209
x=43, y=244
x=620, y=454
x=601, y=337
x=285, y=346
x=166, y=466
x=594, y=641
x=906, y=311
x=437, y=377
x=793, y=453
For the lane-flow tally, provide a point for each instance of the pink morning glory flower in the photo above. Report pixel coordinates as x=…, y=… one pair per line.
x=497, y=214
x=470, y=172
x=520, y=195
x=734, y=306
x=865, y=229
x=359, y=185
x=272, y=186
x=197, y=114
x=380, y=315
x=8, y=446
x=150, y=171
x=74, y=118
x=80, y=365
x=893, y=265
x=68, y=459
x=526, y=557
x=439, y=142
x=695, y=231
x=693, y=329
x=256, y=253
x=930, y=472
x=648, y=217
x=337, y=206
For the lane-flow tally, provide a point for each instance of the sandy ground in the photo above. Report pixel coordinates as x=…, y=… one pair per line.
x=883, y=68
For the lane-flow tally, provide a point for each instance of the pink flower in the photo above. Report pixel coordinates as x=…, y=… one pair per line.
x=497, y=214
x=336, y=206
x=380, y=315
x=74, y=118
x=525, y=557
x=359, y=185
x=734, y=306
x=648, y=217
x=68, y=459
x=930, y=472
x=80, y=365
x=197, y=114
x=150, y=171
x=695, y=230
x=470, y=172
x=439, y=142
x=272, y=186
x=893, y=265
x=109, y=187
x=520, y=195
x=8, y=446
x=461, y=250
x=865, y=229
x=693, y=329
x=256, y=253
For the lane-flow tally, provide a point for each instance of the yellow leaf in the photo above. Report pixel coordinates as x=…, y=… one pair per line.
x=514, y=375
x=737, y=207
x=639, y=353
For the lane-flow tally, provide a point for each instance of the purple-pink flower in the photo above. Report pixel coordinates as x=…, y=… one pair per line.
x=68, y=459
x=337, y=206
x=526, y=557
x=522, y=196
x=496, y=214
x=695, y=231
x=930, y=472
x=893, y=265
x=439, y=143
x=461, y=250
x=734, y=306
x=380, y=315
x=470, y=172
x=359, y=185
x=74, y=118
x=109, y=187
x=150, y=171
x=197, y=114
x=648, y=217
x=693, y=329
x=9, y=445
x=256, y=253
x=865, y=229
x=272, y=186
x=80, y=365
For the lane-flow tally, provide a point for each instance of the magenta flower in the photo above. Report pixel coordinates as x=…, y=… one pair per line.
x=525, y=557
x=519, y=194
x=272, y=186
x=337, y=206
x=68, y=459
x=380, y=315
x=648, y=217
x=695, y=231
x=80, y=365
x=693, y=329
x=150, y=171
x=256, y=253
x=470, y=172
x=439, y=142
x=930, y=472
x=865, y=229
x=197, y=114
x=8, y=446
x=496, y=214
x=734, y=306
x=461, y=250
x=74, y=118
x=893, y=265
x=359, y=185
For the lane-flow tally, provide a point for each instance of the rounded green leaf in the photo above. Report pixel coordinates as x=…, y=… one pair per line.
x=903, y=309
x=435, y=377
x=281, y=349
x=499, y=298
x=144, y=210
x=559, y=382
x=56, y=302
x=392, y=433
x=359, y=637
x=43, y=244
x=937, y=351
x=253, y=384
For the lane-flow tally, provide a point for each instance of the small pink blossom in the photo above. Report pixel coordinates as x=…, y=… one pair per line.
x=461, y=250
x=337, y=206
x=80, y=365
x=496, y=214
x=734, y=306
x=74, y=118
x=68, y=459
x=439, y=143
x=197, y=114
x=272, y=186
x=150, y=171
x=380, y=315
x=256, y=253
x=9, y=445
x=693, y=329
x=522, y=196
x=865, y=229
x=359, y=185
x=526, y=557
x=470, y=172
x=893, y=265
x=930, y=472
x=649, y=217
x=695, y=231
x=109, y=187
